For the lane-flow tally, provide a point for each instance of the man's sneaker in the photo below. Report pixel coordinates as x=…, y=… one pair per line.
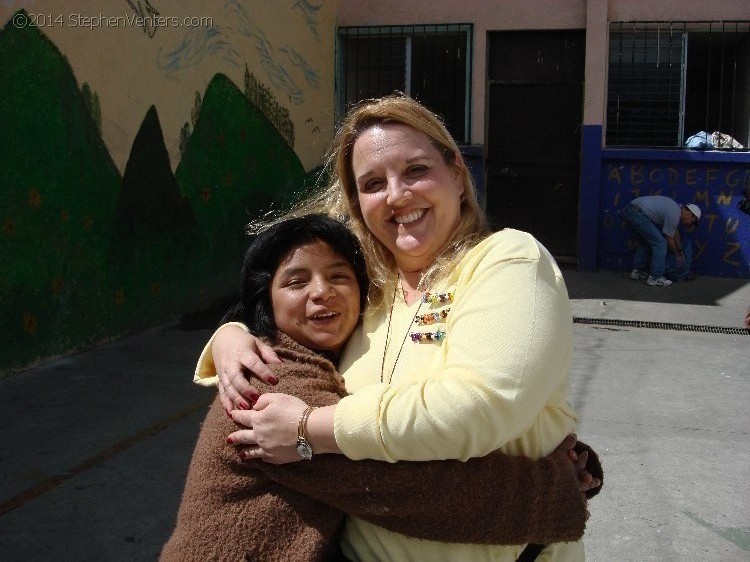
x=658, y=281
x=638, y=275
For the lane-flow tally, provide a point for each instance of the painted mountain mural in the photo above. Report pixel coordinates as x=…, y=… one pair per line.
x=150, y=205
x=58, y=187
x=155, y=237
x=85, y=255
x=236, y=167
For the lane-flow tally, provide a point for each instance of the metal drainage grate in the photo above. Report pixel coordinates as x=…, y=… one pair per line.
x=663, y=326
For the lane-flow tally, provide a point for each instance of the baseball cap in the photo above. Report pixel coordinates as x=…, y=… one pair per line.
x=695, y=209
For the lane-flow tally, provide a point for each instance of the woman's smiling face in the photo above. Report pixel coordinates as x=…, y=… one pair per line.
x=409, y=197
x=315, y=297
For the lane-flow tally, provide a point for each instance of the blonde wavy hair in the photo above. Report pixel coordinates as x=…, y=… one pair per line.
x=340, y=198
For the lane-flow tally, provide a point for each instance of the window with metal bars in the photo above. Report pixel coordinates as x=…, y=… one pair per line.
x=670, y=80
x=431, y=63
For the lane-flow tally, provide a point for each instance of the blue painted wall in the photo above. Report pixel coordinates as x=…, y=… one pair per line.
x=713, y=180
x=474, y=158
x=588, y=196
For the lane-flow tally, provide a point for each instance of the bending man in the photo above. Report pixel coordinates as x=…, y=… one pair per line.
x=654, y=220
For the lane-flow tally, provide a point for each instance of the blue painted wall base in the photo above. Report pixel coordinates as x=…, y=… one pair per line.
x=712, y=180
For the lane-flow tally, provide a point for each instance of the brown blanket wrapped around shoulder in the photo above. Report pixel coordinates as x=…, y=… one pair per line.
x=233, y=510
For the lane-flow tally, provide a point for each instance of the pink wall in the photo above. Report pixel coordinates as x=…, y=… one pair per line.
x=679, y=10
x=486, y=15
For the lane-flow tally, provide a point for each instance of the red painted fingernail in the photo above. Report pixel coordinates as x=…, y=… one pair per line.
x=229, y=441
x=273, y=380
x=254, y=397
x=244, y=406
x=242, y=455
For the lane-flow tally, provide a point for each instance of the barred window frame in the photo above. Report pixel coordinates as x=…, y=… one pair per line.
x=386, y=54
x=654, y=81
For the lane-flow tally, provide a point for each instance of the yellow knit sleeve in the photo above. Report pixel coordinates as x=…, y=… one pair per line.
x=205, y=370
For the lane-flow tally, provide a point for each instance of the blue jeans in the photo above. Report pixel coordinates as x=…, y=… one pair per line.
x=650, y=240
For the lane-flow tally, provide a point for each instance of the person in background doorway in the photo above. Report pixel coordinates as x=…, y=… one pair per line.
x=654, y=219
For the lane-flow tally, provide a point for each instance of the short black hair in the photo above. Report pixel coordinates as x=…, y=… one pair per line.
x=263, y=257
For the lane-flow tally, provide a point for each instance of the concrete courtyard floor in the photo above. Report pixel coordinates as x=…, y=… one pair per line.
x=96, y=445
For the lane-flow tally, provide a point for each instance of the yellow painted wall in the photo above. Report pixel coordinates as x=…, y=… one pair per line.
x=287, y=44
x=120, y=204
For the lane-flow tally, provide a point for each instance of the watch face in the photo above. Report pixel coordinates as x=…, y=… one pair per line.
x=304, y=450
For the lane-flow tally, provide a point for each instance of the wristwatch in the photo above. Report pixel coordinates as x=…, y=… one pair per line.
x=303, y=445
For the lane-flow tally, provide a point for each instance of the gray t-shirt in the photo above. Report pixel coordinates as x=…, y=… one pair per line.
x=660, y=210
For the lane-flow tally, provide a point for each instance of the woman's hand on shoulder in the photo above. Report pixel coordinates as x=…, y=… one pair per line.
x=270, y=432
x=271, y=429
x=236, y=353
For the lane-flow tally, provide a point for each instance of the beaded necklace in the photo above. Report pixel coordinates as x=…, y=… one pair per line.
x=423, y=320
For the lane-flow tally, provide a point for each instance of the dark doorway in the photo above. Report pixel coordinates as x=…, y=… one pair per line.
x=534, y=134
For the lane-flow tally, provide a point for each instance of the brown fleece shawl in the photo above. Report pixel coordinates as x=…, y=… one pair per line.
x=234, y=510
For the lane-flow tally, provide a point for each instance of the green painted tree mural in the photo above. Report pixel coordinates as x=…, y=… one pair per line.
x=186, y=128
x=262, y=97
x=155, y=233
x=86, y=255
x=58, y=186
x=236, y=166
x=91, y=99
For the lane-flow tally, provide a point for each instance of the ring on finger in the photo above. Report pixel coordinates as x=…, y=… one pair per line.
x=250, y=452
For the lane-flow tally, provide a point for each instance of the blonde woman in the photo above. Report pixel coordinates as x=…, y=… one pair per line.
x=465, y=347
